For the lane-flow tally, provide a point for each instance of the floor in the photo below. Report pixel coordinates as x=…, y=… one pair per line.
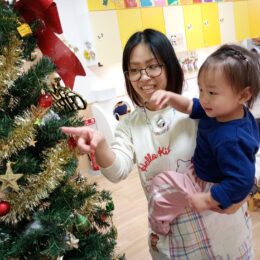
x=131, y=218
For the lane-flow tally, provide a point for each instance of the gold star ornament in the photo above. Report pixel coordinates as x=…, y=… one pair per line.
x=72, y=241
x=32, y=143
x=9, y=180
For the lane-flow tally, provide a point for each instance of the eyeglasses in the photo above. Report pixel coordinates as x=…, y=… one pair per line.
x=151, y=71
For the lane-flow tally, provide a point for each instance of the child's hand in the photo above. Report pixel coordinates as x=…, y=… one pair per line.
x=202, y=201
x=161, y=98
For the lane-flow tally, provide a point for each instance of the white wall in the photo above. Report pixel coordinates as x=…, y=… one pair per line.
x=77, y=31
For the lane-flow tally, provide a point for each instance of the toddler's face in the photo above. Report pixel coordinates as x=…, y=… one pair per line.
x=217, y=97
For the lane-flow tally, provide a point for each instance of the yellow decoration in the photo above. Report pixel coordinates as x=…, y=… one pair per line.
x=9, y=58
x=24, y=30
x=38, y=187
x=2, y=196
x=24, y=131
x=38, y=121
x=32, y=143
x=5, y=147
x=87, y=55
x=10, y=179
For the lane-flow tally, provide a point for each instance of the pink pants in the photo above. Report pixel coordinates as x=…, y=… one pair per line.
x=167, y=198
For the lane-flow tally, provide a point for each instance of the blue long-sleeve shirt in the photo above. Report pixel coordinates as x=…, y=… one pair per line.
x=225, y=154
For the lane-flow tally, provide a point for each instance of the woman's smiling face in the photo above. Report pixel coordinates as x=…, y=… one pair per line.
x=140, y=58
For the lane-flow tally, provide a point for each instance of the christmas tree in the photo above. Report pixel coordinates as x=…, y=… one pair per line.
x=47, y=209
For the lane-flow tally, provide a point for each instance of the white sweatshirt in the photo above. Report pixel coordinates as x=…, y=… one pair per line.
x=193, y=236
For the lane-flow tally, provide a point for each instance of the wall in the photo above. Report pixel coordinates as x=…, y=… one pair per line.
x=105, y=85
x=76, y=33
x=102, y=84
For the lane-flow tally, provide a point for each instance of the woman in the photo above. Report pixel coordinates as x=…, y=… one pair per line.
x=162, y=140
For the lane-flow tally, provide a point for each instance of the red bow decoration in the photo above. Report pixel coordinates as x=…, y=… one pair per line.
x=68, y=65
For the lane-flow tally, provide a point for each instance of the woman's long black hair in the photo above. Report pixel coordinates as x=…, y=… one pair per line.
x=162, y=50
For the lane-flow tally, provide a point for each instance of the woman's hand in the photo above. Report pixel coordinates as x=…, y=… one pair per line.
x=202, y=201
x=88, y=139
x=232, y=209
x=92, y=141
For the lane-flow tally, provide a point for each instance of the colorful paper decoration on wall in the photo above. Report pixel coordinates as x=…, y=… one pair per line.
x=188, y=61
x=159, y=2
x=146, y=3
x=150, y=3
x=89, y=53
x=177, y=39
x=104, y=2
x=173, y=2
x=130, y=3
x=185, y=2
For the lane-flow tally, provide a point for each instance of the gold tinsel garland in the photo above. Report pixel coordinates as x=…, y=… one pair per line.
x=23, y=133
x=89, y=207
x=39, y=187
x=84, y=186
x=9, y=61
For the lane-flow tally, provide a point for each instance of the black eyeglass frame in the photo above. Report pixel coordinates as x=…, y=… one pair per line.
x=126, y=73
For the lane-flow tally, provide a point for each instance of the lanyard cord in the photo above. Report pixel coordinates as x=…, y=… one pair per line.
x=162, y=125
